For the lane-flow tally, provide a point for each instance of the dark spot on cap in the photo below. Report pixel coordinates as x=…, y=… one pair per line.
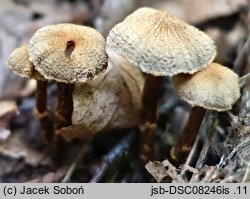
x=70, y=46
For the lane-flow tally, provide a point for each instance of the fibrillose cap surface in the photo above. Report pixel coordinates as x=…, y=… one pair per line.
x=68, y=53
x=216, y=87
x=160, y=44
x=19, y=63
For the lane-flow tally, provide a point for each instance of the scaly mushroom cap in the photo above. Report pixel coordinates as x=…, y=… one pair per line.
x=216, y=87
x=160, y=44
x=68, y=52
x=19, y=63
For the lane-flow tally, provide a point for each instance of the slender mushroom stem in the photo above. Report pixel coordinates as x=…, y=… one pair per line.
x=63, y=116
x=150, y=98
x=180, y=151
x=65, y=105
x=42, y=111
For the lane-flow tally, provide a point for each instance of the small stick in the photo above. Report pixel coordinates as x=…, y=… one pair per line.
x=208, y=141
x=241, y=60
x=116, y=152
x=76, y=162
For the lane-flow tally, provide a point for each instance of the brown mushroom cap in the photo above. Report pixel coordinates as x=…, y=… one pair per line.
x=68, y=52
x=216, y=87
x=160, y=44
x=19, y=63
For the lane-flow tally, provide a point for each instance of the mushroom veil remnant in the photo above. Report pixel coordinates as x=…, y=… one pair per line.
x=160, y=45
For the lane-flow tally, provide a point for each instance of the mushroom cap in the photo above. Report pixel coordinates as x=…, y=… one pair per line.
x=19, y=63
x=68, y=52
x=161, y=44
x=216, y=87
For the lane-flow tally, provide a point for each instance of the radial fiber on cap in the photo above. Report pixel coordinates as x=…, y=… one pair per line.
x=160, y=44
x=68, y=52
x=19, y=63
x=216, y=87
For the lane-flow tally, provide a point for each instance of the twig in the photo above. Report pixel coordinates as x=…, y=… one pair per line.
x=208, y=141
x=117, y=151
x=241, y=59
x=76, y=162
x=239, y=147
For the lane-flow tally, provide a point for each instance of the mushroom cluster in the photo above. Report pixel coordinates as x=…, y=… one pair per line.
x=66, y=53
x=160, y=45
x=96, y=95
x=92, y=96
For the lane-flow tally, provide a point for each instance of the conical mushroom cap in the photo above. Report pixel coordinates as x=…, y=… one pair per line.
x=216, y=87
x=19, y=63
x=68, y=52
x=160, y=44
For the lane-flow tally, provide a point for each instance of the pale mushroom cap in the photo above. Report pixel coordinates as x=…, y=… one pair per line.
x=68, y=52
x=160, y=44
x=19, y=63
x=216, y=87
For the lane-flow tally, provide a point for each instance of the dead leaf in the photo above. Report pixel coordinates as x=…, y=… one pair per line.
x=8, y=110
x=16, y=148
x=110, y=101
x=157, y=170
x=163, y=170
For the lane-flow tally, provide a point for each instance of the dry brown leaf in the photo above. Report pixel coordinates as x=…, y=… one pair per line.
x=157, y=170
x=163, y=170
x=17, y=148
x=8, y=110
x=110, y=101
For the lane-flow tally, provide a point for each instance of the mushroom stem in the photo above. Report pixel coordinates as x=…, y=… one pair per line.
x=63, y=116
x=42, y=111
x=180, y=152
x=150, y=97
x=65, y=105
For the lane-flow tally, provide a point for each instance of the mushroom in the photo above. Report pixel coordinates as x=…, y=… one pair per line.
x=67, y=53
x=19, y=63
x=161, y=45
x=216, y=88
